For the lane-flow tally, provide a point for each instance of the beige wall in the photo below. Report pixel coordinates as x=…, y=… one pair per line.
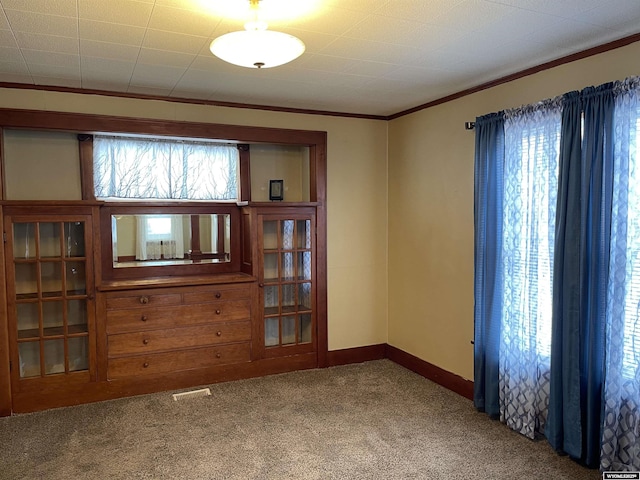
x=431, y=208
x=419, y=215
x=356, y=192
x=41, y=166
x=280, y=162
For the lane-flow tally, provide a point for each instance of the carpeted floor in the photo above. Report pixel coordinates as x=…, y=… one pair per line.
x=374, y=420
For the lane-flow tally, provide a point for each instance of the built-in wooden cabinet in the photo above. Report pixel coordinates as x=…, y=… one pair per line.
x=86, y=320
x=286, y=244
x=50, y=298
x=168, y=330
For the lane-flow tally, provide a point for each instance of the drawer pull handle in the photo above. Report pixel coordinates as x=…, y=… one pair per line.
x=143, y=318
x=218, y=295
x=144, y=300
x=218, y=355
x=219, y=333
x=145, y=364
x=145, y=341
x=218, y=311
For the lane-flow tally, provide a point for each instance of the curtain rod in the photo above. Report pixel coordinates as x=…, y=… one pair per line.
x=469, y=125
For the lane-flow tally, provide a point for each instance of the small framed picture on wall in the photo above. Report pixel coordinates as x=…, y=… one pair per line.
x=276, y=189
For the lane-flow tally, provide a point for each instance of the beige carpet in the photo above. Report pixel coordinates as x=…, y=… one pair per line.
x=375, y=420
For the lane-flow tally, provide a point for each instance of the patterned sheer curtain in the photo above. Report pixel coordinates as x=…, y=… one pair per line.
x=153, y=168
x=176, y=245
x=590, y=243
x=142, y=248
x=532, y=140
x=621, y=430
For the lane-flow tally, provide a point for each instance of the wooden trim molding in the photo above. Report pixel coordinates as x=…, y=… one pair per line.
x=5, y=362
x=272, y=108
x=244, y=151
x=523, y=73
x=83, y=393
x=442, y=377
x=192, y=101
x=347, y=356
x=92, y=123
x=2, y=162
x=449, y=380
x=318, y=193
x=85, y=145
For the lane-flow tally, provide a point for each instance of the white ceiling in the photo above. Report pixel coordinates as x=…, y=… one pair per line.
x=373, y=57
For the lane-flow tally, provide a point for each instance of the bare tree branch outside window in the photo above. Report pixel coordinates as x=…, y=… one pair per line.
x=153, y=168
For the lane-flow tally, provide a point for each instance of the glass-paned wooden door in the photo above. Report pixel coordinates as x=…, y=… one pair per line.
x=50, y=295
x=288, y=282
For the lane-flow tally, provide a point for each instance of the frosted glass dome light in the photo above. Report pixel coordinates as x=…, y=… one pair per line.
x=257, y=48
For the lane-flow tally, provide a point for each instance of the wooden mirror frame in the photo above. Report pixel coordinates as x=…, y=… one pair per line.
x=109, y=272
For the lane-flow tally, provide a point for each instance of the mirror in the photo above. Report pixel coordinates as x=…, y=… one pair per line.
x=149, y=240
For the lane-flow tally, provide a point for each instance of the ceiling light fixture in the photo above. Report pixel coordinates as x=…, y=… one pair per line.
x=255, y=46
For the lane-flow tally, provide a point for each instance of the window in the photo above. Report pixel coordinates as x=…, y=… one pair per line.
x=631, y=315
x=532, y=143
x=530, y=176
x=160, y=237
x=158, y=227
x=584, y=393
x=156, y=168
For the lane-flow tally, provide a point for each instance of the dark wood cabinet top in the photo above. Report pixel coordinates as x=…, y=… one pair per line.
x=175, y=281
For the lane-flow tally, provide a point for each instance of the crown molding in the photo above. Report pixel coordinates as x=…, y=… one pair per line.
x=303, y=111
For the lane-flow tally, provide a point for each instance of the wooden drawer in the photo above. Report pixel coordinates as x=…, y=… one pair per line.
x=218, y=295
x=142, y=299
x=120, y=321
x=177, y=361
x=175, y=338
